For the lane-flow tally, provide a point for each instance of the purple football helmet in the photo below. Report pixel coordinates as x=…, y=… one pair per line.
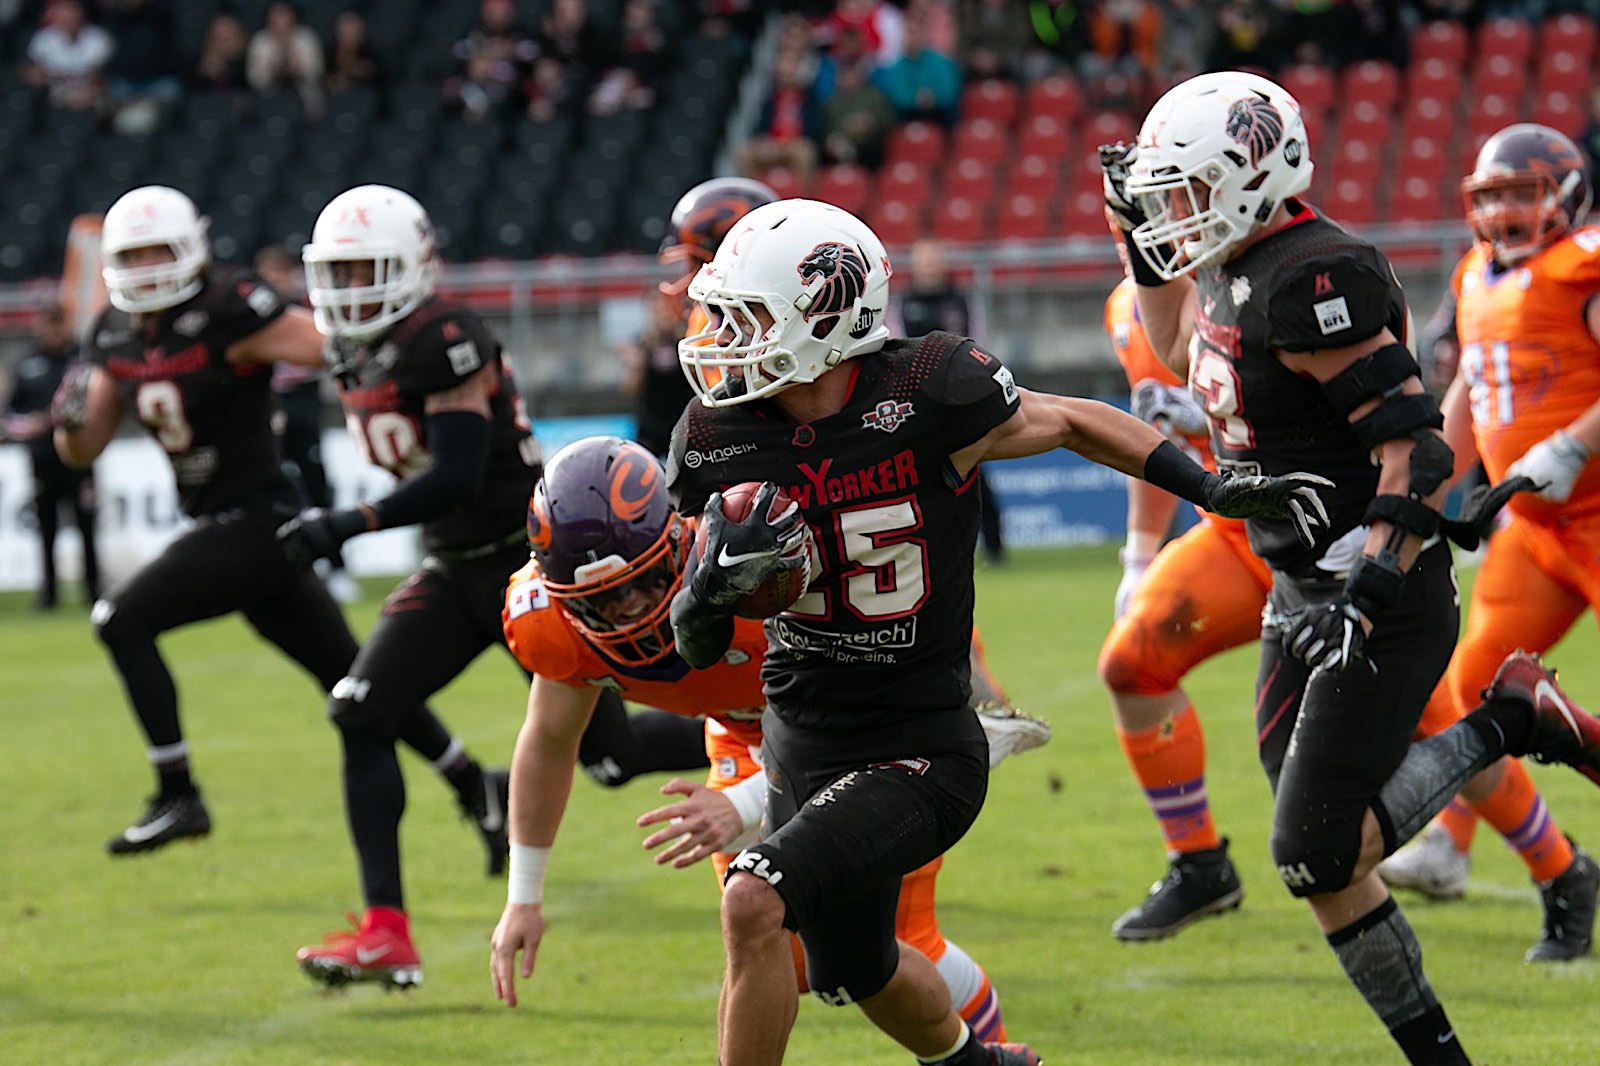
x=610, y=546
x=1528, y=189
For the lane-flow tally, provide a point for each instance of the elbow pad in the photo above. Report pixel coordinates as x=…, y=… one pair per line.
x=1381, y=375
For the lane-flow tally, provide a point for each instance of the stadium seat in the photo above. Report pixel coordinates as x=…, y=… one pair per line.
x=1311, y=84
x=1036, y=176
x=1350, y=201
x=896, y=222
x=1568, y=33
x=1356, y=160
x=843, y=185
x=1364, y=120
x=1508, y=37
x=1560, y=111
x=1489, y=113
x=980, y=139
x=1563, y=71
x=970, y=179
x=1022, y=218
x=1084, y=215
x=1044, y=135
x=1418, y=199
x=957, y=219
x=1500, y=76
x=915, y=142
x=1435, y=78
x=785, y=182
x=1056, y=95
x=1109, y=127
x=1429, y=117
x=1370, y=80
x=1423, y=157
x=905, y=182
x=1442, y=40
x=992, y=99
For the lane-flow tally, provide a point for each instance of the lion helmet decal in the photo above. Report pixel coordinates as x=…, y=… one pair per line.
x=844, y=278
x=1256, y=124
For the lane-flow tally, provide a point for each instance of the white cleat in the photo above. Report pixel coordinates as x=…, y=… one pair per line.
x=1010, y=731
x=1430, y=864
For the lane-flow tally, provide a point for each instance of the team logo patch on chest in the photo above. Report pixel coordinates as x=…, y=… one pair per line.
x=888, y=416
x=1239, y=291
x=190, y=323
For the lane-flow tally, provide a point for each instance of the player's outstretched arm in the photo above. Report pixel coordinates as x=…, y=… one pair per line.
x=85, y=411
x=541, y=781
x=706, y=820
x=292, y=337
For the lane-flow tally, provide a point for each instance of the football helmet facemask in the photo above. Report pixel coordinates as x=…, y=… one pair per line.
x=610, y=547
x=1528, y=188
x=153, y=216
x=1216, y=156
x=796, y=288
x=370, y=262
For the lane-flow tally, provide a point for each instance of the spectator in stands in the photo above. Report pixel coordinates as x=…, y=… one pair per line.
x=922, y=83
x=285, y=55
x=351, y=61
x=1060, y=36
x=35, y=380
x=933, y=302
x=1187, y=31
x=786, y=135
x=870, y=21
x=549, y=89
x=68, y=56
x=1367, y=29
x=221, y=64
x=144, y=71
x=993, y=34
x=730, y=18
x=1125, y=36
x=1244, y=37
x=641, y=57
x=856, y=119
x=1589, y=141
x=569, y=34
x=492, y=60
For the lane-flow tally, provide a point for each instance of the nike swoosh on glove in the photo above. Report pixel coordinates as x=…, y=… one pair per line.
x=1555, y=463
x=317, y=534
x=1115, y=159
x=739, y=556
x=1291, y=496
x=1327, y=636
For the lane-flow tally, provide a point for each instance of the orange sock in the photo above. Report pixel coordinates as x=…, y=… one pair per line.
x=1170, y=762
x=1460, y=821
x=1517, y=810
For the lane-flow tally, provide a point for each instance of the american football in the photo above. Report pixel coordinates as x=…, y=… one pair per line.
x=778, y=592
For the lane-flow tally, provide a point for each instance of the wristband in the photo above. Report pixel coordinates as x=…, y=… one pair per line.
x=1166, y=467
x=749, y=798
x=1143, y=273
x=525, y=877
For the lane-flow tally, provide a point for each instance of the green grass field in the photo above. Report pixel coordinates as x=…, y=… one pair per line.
x=187, y=956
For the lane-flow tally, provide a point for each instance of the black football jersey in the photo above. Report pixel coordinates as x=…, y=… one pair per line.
x=884, y=630
x=1308, y=286
x=212, y=417
x=384, y=388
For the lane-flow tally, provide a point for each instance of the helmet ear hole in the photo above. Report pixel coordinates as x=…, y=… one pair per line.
x=824, y=326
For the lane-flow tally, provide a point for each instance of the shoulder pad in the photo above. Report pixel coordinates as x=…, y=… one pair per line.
x=444, y=346
x=1575, y=258
x=536, y=630
x=1330, y=301
x=966, y=374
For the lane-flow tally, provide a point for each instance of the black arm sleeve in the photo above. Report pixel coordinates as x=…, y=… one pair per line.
x=458, y=441
x=701, y=633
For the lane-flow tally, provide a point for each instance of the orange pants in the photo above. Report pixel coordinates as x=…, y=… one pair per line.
x=1202, y=595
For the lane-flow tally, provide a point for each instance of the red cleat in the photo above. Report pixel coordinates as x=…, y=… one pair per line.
x=1011, y=1055
x=379, y=949
x=1562, y=731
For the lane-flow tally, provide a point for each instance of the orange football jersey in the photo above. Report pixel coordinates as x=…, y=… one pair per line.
x=545, y=641
x=1530, y=363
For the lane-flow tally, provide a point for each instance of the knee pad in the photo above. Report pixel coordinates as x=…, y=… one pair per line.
x=351, y=706
x=1313, y=862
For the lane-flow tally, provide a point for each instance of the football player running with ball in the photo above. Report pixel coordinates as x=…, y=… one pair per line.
x=875, y=760
x=428, y=398
x=1295, y=330
x=589, y=615
x=187, y=347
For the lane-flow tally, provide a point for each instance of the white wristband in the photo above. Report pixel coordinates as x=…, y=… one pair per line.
x=749, y=798
x=525, y=879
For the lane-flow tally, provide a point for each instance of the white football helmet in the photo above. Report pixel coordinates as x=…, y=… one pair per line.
x=1216, y=156
x=148, y=217
x=376, y=225
x=818, y=271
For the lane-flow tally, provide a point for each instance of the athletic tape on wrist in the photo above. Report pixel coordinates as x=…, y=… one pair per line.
x=749, y=798
x=525, y=875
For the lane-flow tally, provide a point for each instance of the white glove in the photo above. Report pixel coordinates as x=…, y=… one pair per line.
x=1133, y=567
x=1554, y=463
x=1172, y=409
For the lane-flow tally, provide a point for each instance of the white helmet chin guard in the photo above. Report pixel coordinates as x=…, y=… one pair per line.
x=148, y=217
x=1216, y=156
x=376, y=225
x=817, y=272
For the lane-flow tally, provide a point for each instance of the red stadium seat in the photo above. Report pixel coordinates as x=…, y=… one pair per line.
x=906, y=182
x=1439, y=40
x=958, y=219
x=1418, y=199
x=1509, y=37
x=970, y=179
x=843, y=185
x=1109, y=127
x=1423, y=157
x=1490, y=113
x=1370, y=80
x=896, y=222
x=1044, y=135
x=1568, y=33
x=1311, y=84
x=1035, y=175
x=1365, y=121
x=1562, y=71
x=991, y=99
x=1357, y=160
x=1083, y=171
x=1084, y=215
x=1560, y=111
x=1469, y=152
x=1350, y=201
x=1435, y=78
x=980, y=139
x=1021, y=218
x=915, y=142
x=1428, y=117
x=1501, y=76
x=785, y=182
x=1056, y=95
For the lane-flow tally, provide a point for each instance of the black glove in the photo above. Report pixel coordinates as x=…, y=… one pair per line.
x=1482, y=506
x=1292, y=496
x=317, y=534
x=69, y=407
x=1329, y=636
x=739, y=556
x=1115, y=159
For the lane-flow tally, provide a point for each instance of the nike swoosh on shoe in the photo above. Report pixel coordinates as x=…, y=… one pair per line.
x=138, y=834
x=368, y=956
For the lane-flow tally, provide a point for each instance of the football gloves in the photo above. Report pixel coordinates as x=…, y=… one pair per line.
x=1555, y=463
x=69, y=407
x=1481, y=508
x=1292, y=496
x=317, y=534
x=739, y=556
x=1326, y=636
x=1169, y=408
x=1115, y=159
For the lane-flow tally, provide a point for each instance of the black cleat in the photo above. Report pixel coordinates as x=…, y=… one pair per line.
x=1011, y=1055
x=1197, y=884
x=491, y=820
x=164, y=821
x=1569, y=906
